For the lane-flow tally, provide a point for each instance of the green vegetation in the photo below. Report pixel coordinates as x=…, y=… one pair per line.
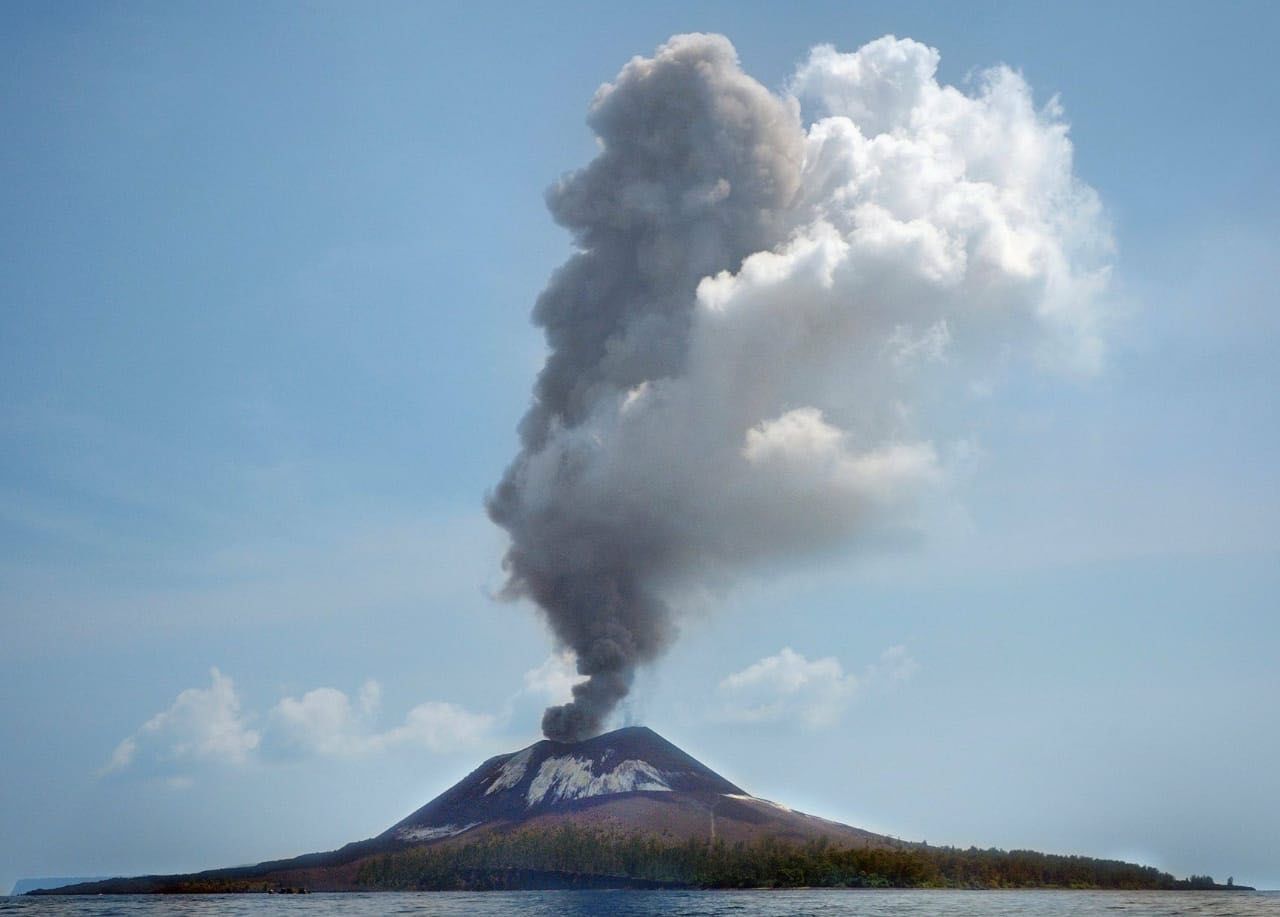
x=582, y=856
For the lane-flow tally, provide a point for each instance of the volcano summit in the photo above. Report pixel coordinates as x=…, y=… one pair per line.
x=631, y=780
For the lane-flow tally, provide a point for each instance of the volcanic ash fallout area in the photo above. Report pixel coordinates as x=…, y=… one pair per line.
x=779, y=310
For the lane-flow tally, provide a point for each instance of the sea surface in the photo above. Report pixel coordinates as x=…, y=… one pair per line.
x=826, y=902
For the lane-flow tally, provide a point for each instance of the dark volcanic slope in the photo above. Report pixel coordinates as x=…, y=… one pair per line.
x=556, y=776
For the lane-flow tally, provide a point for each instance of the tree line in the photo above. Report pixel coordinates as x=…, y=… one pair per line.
x=578, y=855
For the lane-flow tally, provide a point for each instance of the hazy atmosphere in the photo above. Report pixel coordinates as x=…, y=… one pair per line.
x=877, y=400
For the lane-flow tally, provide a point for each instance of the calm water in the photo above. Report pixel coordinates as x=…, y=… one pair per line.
x=861, y=903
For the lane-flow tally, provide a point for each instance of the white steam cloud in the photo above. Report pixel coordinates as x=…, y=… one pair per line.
x=771, y=298
x=790, y=688
x=202, y=725
x=207, y=727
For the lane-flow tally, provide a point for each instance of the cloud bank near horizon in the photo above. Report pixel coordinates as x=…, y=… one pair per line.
x=790, y=688
x=773, y=301
x=209, y=728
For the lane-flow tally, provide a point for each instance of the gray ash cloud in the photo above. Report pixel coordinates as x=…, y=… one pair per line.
x=751, y=303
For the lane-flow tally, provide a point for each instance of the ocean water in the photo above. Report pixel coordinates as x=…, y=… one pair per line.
x=798, y=903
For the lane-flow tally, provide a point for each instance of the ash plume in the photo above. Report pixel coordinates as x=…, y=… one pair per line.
x=775, y=304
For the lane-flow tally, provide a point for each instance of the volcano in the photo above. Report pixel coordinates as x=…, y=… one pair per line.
x=628, y=781
x=631, y=783
x=630, y=810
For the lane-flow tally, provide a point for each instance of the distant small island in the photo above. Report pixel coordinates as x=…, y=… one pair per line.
x=630, y=810
x=30, y=884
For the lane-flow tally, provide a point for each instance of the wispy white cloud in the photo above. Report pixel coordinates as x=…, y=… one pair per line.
x=552, y=681
x=321, y=722
x=205, y=726
x=436, y=726
x=894, y=667
x=202, y=726
x=324, y=722
x=122, y=757
x=790, y=687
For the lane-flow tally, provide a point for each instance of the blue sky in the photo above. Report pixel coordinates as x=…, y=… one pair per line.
x=264, y=342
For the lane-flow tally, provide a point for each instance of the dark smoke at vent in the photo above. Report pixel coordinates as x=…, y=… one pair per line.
x=697, y=159
x=749, y=307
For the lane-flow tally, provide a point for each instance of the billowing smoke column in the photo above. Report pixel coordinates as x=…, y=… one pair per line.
x=775, y=306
